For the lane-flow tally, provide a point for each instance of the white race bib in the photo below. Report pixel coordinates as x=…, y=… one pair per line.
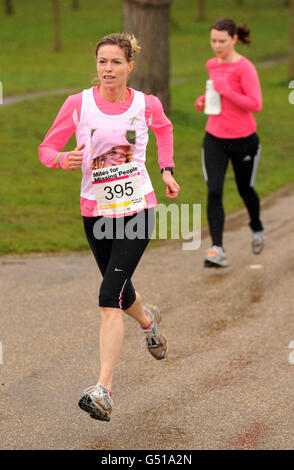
x=118, y=189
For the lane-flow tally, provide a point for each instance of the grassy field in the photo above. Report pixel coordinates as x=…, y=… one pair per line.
x=39, y=206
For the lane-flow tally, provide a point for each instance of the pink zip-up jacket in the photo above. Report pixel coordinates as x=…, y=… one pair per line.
x=65, y=125
x=239, y=86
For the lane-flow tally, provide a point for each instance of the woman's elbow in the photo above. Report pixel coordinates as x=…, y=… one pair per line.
x=43, y=157
x=256, y=107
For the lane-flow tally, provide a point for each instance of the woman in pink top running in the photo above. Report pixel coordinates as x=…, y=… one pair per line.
x=231, y=134
x=117, y=201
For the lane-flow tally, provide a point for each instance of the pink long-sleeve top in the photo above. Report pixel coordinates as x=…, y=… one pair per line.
x=65, y=125
x=239, y=86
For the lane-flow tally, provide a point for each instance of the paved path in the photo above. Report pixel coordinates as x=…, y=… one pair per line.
x=227, y=383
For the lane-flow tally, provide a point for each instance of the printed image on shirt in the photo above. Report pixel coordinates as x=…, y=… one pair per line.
x=117, y=155
x=110, y=148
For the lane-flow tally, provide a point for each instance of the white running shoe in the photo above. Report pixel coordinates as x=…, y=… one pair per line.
x=215, y=258
x=97, y=402
x=156, y=342
x=257, y=242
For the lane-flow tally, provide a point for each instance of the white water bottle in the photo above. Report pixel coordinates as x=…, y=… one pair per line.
x=212, y=99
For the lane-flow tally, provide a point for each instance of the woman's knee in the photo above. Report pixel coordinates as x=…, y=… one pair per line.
x=109, y=313
x=214, y=194
x=247, y=193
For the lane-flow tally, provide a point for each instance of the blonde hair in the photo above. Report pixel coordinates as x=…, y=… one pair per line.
x=126, y=41
x=99, y=162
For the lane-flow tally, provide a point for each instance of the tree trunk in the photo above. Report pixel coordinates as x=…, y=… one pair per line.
x=291, y=61
x=9, y=7
x=200, y=10
x=75, y=4
x=56, y=28
x=148, y=20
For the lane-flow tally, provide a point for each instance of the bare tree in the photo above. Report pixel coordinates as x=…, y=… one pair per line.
x=148, y=20
x=9, y=7
x=200, y=10
x=56, y=27
x=291, y=61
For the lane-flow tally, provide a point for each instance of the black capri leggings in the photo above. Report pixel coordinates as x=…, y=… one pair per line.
x=244, y=154
x=118, y=245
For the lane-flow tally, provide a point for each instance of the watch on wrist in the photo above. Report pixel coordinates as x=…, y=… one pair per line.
x=167, y=168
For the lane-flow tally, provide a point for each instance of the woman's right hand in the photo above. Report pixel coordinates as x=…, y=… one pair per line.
x=75, y=158
x=200, y=102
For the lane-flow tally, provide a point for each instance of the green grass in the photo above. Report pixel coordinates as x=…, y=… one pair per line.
x=40, y=206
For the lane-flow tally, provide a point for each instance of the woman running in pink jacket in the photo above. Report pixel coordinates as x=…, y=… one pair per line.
x=231, y=134
x=111, y=124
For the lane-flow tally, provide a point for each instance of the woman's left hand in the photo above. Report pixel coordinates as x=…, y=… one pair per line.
x=172, y=187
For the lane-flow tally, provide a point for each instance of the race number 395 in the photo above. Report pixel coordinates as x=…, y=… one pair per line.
x=118, y=191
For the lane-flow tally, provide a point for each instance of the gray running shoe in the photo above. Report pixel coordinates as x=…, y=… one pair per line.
x=156, y=343
x=215, y=258
x=257, y=242
x=97, y=402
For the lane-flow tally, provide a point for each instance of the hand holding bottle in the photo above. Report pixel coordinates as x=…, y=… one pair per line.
x=200, y=102
x=212, y=99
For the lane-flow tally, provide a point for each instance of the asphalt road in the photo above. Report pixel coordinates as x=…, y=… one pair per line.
x=227, y=383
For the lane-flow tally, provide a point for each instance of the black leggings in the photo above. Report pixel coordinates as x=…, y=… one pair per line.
x=118, y=253
x=244, y=154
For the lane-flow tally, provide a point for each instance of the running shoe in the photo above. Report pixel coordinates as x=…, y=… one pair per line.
x=97, y=402
x=215, y=258
x=257, y=242
x=156, y=343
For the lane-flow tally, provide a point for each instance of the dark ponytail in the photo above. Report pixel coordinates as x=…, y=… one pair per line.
x=243, y=34
x=226, y=24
